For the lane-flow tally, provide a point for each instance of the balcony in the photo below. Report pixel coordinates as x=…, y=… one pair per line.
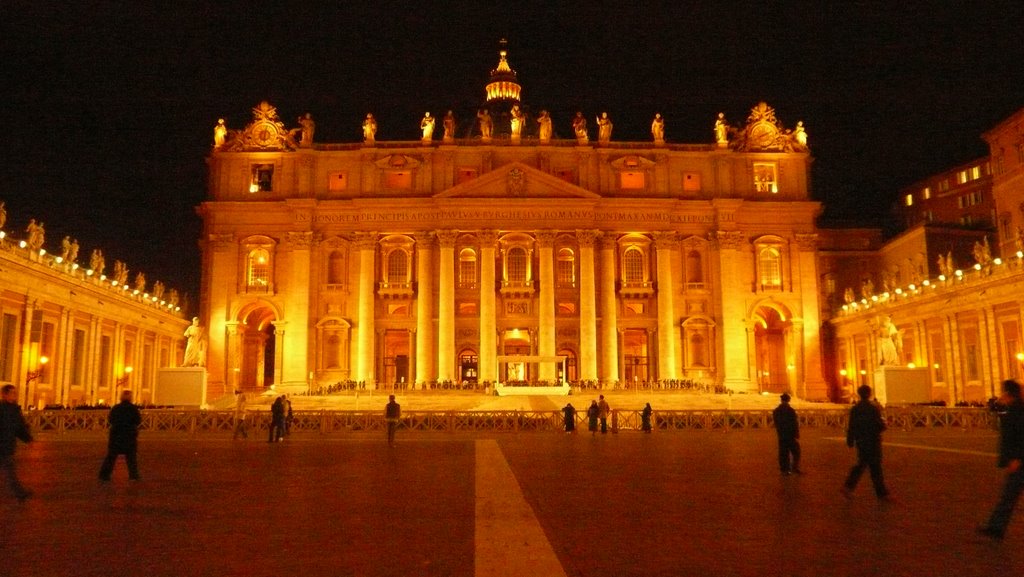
x=395, y=290
x=634, y=289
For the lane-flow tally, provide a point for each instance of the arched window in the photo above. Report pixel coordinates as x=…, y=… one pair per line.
x=467, y=268
x=566, y=268
x=633, y=266
x=694, y=270
x=258, y=265
x=769, y=268
x=398, y=267
x=336, y=267
x=515, y=265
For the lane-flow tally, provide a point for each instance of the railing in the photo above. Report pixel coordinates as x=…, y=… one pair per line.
x=327, y=422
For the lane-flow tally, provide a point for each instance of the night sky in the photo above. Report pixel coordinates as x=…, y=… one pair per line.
x=108, y=108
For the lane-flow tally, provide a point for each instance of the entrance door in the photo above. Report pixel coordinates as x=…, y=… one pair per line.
x=770, y=347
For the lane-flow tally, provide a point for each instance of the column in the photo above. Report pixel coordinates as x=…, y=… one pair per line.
x=296, y=289
x=446, y=306
x=233, y=355
x=736, y=362
x=609, y=312
x=546, y=313
x=366, y=244
x=812, y=384
x=62, y=376
x=588, y=305
x=487, y=368
x=93, y=361
x=668, y=333
x=424, y=310
x=279, y=327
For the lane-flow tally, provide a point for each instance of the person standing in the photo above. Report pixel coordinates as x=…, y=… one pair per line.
x=645, y=418
x=1011, y=456
x=392, y=412
x=289, y=416
x=569, y=414
x=276, y=420
x=240, y=425
x=124, y=420
x=593, y=413
x=604, y=411
x=12, y=428
x=865, y=431
x=787, y=427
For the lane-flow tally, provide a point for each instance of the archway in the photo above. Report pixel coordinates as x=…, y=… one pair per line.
x=771, y=335
x=258, y=349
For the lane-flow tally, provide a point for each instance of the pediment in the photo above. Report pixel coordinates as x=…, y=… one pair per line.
x=516, y=180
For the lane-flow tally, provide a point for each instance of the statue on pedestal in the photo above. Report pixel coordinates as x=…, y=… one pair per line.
x=604, y=128
x=517, y=120
x=65, y=247
x=449, y=127
x=220, y=133
x=544, y=120
x=158, y=290
x=721, y=130
x=427, y=126
x=140, y=282
x=96, y=262
x=73, y=253
x=579, y=127
x=658, y=129
x=888, y=336
x=486, y=124
x=36, y=234
x=369, y=129
x=308, y=127
x=800, y=135
x=195, y=345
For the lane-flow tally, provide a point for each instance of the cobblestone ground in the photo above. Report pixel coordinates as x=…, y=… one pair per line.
x=687, y=503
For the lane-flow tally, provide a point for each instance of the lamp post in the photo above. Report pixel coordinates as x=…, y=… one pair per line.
x=34, y=375
x=123, y=381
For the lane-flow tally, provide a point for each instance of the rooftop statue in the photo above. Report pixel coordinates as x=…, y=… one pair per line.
x=721, y=130
x=36, y=234
x=220, y=134
x=658, y=129
x=544, y=120
x=96, y=262
x=65, y=247
x=158, y=290
x=369, y=129
x=307, y=130
x=449, y=127
x=604, y=128
x=73, y=253
x=427, y=126
x=140, y=282
x=517, y=120
x=486, y=124
x=800, y=135
x=579, y=126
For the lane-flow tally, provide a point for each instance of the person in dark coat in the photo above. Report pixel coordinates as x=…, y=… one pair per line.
x=569, y=413
x=645, y=418
x=865, y=431
x=12, y=428
x=787, y=427
x=124, y=420
x=289, y=416
x=277, y=420
x=1011, y=457
x=593, y=412
x=392, y=414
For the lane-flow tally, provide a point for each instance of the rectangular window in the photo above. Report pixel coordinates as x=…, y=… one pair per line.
x=467, y=274
x=338, y=181
x=909, y=200
x=976, y=173
x=46, y=350
x=926, y=193
x=691, y=181
x=943, y=185
x=766, y=177
x=966, y=220
x=937, y=357
x=262, y=178
x=961, y=177
x=631, y=180
x=566, y=273
x=400, y=179
x=8, y=331
x=78, y=358
x=106, y=360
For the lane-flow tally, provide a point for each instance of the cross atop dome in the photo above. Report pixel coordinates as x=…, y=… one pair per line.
x=503, y=86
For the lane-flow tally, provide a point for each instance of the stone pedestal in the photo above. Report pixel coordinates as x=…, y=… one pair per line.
x=902, y=385
x=180, y=387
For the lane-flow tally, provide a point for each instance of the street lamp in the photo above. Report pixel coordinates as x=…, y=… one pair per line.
x=38, y=373
x=124, y=380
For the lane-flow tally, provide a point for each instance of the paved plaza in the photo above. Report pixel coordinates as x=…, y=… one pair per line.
x=525, y=504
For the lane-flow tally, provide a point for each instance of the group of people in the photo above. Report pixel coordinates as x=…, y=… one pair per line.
x=598, y=413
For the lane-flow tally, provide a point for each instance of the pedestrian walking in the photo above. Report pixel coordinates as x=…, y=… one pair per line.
x=604, y=411
x=593, y=413
x=240, y=424
x=569, y=413
x=865, y=431
x=645, y=418
x=12, y=428
x=787, y=427
x=124, y=419
x=1011, y=456
x=392, y=413
x=277, y=420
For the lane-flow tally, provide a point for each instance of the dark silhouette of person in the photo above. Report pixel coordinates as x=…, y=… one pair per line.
x=593, y=413
x=865, y=431
x=392, y=413
x=787, y=427
x=645, y=418
x=124, y=420
x=603, y=411
x=1011, y=457
x=569, y=413
x=289, y=416
x=12, y=428
x=277, y=420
